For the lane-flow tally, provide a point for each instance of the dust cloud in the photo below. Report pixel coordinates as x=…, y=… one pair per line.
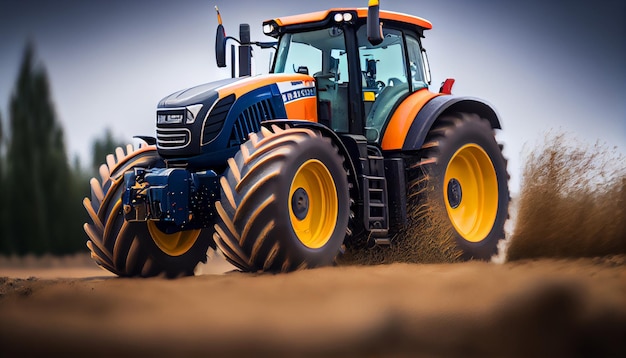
x=572, y=202
x=427, y=238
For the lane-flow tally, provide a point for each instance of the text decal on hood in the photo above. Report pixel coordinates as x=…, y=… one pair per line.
x=296, y=90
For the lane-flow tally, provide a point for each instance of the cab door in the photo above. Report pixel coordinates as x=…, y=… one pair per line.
x=384, y=78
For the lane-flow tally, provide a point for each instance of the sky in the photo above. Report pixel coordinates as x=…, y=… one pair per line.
x=544, y=65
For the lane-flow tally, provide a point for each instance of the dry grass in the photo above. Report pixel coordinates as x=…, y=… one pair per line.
x=427, y=238
x=572, y=202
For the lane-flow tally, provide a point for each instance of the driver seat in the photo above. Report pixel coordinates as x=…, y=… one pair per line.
x=381, y=109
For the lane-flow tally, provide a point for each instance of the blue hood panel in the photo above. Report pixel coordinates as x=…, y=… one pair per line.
x=195, y=95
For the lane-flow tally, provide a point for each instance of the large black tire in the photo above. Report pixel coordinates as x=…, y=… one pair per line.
x=462, y=174
x=136, y=248
x=284, y=202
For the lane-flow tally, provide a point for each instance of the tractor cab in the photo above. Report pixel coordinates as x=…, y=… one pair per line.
x=359, y=83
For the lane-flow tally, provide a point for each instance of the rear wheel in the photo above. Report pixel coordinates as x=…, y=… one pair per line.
x=136, y=248
x=285, y=202
x=462, y=173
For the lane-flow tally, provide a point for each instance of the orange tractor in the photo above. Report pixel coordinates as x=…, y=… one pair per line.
x=327, y=152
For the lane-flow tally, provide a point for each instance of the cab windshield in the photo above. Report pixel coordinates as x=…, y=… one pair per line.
x=313, y=53
x=389, y=72
x=321, y=54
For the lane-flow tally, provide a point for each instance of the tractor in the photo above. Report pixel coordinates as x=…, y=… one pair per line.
x=325, y=153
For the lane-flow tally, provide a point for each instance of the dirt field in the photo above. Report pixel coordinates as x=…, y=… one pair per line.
x=526, y=308
x=531, y=306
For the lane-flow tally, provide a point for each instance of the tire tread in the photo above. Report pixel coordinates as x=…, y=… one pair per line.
x=249, y=203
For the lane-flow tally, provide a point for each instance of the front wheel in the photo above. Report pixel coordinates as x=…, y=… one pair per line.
x=462, y=173
x=285, y=202
x=136, y=248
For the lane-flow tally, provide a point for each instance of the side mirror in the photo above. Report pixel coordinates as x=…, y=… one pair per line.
x=374, y=26
x=371, y=68
x=220, y=46
x=220, y=42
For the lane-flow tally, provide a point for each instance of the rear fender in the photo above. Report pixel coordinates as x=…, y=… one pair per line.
x=439, y=106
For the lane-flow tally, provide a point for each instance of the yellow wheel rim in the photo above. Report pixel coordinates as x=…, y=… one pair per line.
x=174, y=244
x=471, y=192
x=313, y=207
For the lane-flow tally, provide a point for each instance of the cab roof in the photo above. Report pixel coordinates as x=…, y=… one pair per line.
x=319, y=16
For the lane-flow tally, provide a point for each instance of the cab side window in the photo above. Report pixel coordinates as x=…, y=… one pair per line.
x=418, y=80
x=384, y=78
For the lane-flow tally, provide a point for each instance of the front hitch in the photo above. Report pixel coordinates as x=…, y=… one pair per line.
x=176, y=197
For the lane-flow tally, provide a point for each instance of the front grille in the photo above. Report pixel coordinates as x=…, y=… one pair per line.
x=173, y=138
x=249, y=121
x=215, y=121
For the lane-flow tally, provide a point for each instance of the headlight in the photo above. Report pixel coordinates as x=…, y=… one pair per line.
x=178, y=115
x=170, y=116
x=345, y=17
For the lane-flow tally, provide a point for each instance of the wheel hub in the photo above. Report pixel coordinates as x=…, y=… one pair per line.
x=174, y=244
x=300, y=203
x=455, y=194
x=314, y=205
x=471, y=192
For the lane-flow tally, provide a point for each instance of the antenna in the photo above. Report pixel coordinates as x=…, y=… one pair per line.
x=219, y=17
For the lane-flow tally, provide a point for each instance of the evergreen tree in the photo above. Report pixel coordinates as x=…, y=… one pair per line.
x=77, y=216
x=103, y=146
x=4, y=242
x=38, y=176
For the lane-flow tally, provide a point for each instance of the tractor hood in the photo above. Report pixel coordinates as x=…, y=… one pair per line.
x=210, y=118
x=207, y=93
x=195, y=95
x=284, y=83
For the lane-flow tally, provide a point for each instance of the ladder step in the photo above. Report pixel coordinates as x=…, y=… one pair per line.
x=375, y=195
x=382, y=241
